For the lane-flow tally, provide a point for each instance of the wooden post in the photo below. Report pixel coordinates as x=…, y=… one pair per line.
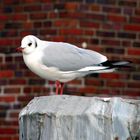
x=80, y=118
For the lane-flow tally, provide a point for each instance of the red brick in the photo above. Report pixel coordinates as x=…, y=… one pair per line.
x=118, y=84
x=73, y=15
x=7, y=98
x=3, y=107
x=38, y=16
x=53, y=14
x=19, y=17
x=11, y=2
x=37, y=24
x=126, y=43
x=128, y=3
x=128, y=11
x=6, y=42
x=119, y=51
x=105, y=34
x=17, y=42
x=89, y=24
x=9, y=59
x=48, y=31
x=135, y=19
x=37, y=89
x=18, y=59
x=126, y=35
x=89, y=32
x=111, y=9
x=132, y=51
x=131, y=92
x=94, y=41
x=32, y=8
x=93, y=82
x=114, y=76
x=3, y=17
x=59, y=6
x=104, y=91
x=19, y=9
x=47, y=24
x=1, y=59
x=6, y=74
x=15, y=137
x=75, y=82
x=13, y=25
x=71, y=32
x=95, y=7
x=80, y=40
x=96, y=17
x=116, y=18
x=66, y=23
x=47, y=6
x=83, y=7
x=14, y=114
x=132, y=27
x=76, y=15
x=59, y=38
x=28, y=25
x=29, y=1
x=24, y=98
x=136, y=76
x=137, y=11
x=3, y=82
x=12, y=33
x=29, y=74
x=17, y=81
x=71, y=6
x=12, y=90
x=136, y=44
x=109, y=26
x=87, y=89
x=97, y=48
x=9, y=123
x=25, y=32
x=110, y=42
x=27, y=90
x=1, y=26
x=8, y=131
x=133, y=84
x=5, y=138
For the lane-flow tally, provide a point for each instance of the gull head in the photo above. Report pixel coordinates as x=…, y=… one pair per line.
x=28, y=44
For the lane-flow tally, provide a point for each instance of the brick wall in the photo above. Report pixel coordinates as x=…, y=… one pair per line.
x=110, y=27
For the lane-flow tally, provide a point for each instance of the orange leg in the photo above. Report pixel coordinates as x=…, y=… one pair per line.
x=57, y=83
x=62, y=88
x=59, y=86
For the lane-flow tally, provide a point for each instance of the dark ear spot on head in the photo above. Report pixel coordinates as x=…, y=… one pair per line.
x=35, y=44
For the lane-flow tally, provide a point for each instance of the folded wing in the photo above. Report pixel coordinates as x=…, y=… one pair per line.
x=67, y=57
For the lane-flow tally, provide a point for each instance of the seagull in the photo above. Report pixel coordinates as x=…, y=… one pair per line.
x=62, y=62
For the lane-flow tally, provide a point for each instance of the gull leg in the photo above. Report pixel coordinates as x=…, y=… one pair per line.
x=61, y=88
x=57, y=83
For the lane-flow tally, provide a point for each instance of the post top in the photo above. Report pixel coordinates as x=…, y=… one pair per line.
x=77, y=105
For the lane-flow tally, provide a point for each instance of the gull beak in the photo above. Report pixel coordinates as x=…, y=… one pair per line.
x=19, y=49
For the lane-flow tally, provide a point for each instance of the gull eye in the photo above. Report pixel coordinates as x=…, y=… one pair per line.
x=29, y=44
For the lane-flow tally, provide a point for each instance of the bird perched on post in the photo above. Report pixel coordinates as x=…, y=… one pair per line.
x=63, y=62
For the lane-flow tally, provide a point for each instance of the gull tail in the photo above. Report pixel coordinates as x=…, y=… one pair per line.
x=116, y=64
x=105, y=67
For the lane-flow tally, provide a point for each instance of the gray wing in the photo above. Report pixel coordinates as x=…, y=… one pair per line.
x=67, y=57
